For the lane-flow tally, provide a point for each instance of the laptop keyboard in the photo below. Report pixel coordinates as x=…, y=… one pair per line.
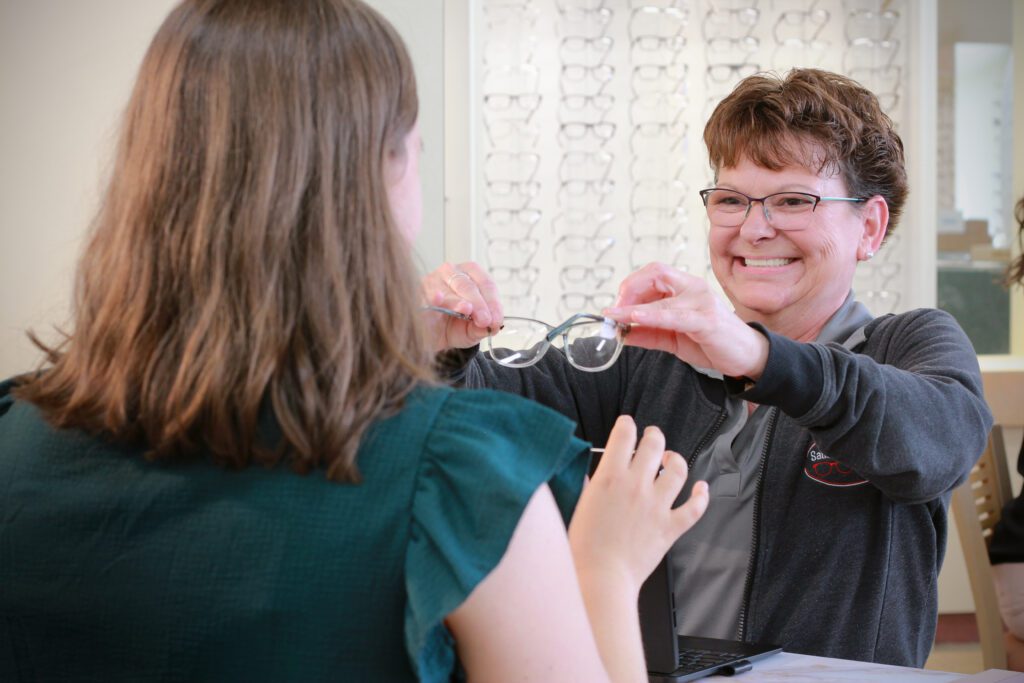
x=692, y=661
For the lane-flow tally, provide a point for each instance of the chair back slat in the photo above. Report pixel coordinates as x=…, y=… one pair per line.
x=977, y=506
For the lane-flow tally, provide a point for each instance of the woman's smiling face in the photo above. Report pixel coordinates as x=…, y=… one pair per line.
x=792, y=281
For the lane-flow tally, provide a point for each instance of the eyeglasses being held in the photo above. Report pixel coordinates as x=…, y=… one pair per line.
x=590, y=342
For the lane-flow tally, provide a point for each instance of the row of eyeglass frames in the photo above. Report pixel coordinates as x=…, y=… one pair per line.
x=615, y=108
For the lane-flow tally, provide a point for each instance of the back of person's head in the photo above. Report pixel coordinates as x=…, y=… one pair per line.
x=816, y=119
x=245, y=261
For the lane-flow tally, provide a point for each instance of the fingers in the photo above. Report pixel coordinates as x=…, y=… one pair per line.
x=687, y=514
x=667, y=487
x=619, y=450
x=653, y=282
x=465, y=288
x=672, y=477
x=487, y=290
x=687, y=317
x=649, y=454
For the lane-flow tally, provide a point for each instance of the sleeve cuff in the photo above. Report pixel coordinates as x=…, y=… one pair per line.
x=792, y=377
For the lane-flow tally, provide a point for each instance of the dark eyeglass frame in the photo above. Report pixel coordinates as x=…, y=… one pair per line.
x=705, y=193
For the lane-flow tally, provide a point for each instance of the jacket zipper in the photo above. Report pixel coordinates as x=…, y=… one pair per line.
x=741, y=631
x=707, y=436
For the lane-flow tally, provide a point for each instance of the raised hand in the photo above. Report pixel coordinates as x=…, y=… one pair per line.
x=678, y=313
x=624, y=522
x=465, y=288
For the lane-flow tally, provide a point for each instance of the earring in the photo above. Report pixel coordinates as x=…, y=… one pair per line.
x=868, y=256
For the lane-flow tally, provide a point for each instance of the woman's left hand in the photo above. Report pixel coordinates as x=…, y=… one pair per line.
x=678, y=313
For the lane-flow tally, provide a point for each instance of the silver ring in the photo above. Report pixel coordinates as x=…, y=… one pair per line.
x=454, y=275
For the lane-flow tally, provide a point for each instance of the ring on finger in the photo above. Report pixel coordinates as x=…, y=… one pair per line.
x=452, y=277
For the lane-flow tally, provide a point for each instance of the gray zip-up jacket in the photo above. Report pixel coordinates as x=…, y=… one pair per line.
x=844, y=569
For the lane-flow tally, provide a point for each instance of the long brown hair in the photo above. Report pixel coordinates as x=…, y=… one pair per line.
x=847, y=130
x=244, y=260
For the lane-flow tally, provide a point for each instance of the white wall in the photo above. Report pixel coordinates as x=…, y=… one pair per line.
x=66, y=70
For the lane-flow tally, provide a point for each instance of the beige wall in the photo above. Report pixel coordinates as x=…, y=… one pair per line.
x=66, y=70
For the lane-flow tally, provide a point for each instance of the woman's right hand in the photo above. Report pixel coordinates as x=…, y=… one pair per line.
x=465, y=288
x=624, y=522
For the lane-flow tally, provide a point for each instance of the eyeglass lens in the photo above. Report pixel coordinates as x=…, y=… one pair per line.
x=590, y=343
x=784, y=211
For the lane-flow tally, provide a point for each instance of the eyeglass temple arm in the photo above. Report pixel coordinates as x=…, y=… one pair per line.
x=558, y=331
x=447, y=311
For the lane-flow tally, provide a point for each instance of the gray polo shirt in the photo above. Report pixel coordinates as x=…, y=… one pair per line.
x=710, y=561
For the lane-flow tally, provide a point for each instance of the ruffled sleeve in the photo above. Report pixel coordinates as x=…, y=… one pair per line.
x=486, y=455
x=6, y=398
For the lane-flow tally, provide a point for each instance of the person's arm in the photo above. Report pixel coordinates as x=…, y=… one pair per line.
x=526, y=620
x=533, y=619
x=913, y=426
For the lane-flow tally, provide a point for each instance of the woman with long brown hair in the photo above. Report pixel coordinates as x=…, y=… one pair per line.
x=247, y=313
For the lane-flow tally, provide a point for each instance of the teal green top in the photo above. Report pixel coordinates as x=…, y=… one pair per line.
x=114, y=568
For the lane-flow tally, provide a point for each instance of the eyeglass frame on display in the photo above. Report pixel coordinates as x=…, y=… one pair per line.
x=526, y=245
x=675, y=81
x=576, y=26
x=583, y=219
x=725, y=17
x=784, y=20
x=525, y=137
x=589, y=131
x=522, y=15
x=523, y=112
x=886, y=18
x=673, y=189
x=582, y=56
x=666, y=249
x=590, y=245
x=598, y=162
x=500, y=223
x=599, y=273
x=667, y=165
x=504, y=188
x=747, y=44
x=681, y=14
x=506, y=160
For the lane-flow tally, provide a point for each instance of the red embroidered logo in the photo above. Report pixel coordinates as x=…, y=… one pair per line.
x=825, y=470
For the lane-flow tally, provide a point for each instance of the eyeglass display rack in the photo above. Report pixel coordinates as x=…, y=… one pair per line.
x=589, y=141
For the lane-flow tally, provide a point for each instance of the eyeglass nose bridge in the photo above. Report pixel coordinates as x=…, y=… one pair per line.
x=764, y=209
x=558, y=337
x=562, y=332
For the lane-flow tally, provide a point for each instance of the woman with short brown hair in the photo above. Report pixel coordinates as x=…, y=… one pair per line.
x=831, y=438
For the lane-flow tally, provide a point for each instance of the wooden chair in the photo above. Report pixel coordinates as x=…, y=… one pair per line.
x=977, y=506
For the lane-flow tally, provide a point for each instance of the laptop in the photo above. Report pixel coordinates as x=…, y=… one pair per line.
x=672, y=658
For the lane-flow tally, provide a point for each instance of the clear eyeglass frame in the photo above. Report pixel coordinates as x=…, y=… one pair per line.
x=590, y=342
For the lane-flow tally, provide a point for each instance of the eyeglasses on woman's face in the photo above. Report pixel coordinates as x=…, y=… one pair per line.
x=590, y=342
x=782, y=210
